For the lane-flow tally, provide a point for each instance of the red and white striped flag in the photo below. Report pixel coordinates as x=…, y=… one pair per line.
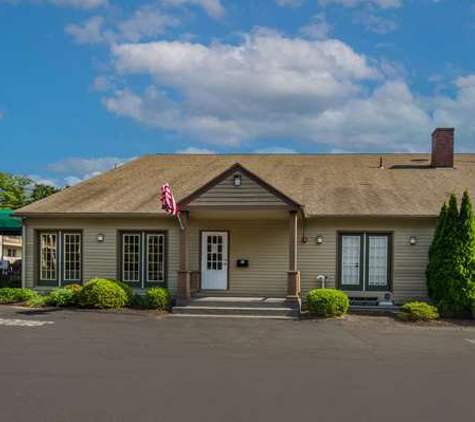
x=168, y=202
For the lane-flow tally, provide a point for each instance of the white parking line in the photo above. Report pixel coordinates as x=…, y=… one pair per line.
x=470, y=340
x=23, y=323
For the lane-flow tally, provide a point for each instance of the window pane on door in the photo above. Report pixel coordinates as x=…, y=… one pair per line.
x=155, y=257
x=131, y=257
x=72, y=256
x=350, y=260
x=48, y=257
x=214, y=258
x=378, y=261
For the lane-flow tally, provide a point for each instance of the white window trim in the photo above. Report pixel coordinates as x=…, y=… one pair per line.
x=60, y=258
x=63, y=266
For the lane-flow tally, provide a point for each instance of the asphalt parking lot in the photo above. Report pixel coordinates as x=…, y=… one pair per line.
x=88, y=366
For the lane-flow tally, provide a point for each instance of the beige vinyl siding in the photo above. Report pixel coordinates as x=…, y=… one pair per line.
x=409, y=262
x=250, y=193
x=264, y=243
x=100, y=259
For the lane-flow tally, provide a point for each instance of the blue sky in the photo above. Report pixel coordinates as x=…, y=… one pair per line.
x=86, y=84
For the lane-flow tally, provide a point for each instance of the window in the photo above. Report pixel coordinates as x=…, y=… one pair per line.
x=143, y=258
x=155, y=258
x=72, y=257
x=57, y=268
x=49, y=257
x=364, y=261
x=131, y=258
x=11, y=253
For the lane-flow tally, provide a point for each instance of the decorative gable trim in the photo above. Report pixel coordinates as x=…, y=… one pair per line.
x=287, y=202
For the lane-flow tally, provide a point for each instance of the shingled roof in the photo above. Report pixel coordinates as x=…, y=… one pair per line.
x=326, y=185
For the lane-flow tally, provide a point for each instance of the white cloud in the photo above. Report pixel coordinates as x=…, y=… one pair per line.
x=77, y=166
x=102, y=83
x=194, y=150
x=82, y=4
x=375, y=23
x=385, y=4
x=90, y=31
x=289, y=3
x=318, y=29
x=79, y=4
x=275, y=150
x=270, y=88
x=42, y=180
x=214, y=8
x=146, y=22
x=236, y=92
x=73, y=170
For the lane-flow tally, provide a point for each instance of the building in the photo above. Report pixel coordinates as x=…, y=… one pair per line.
x=254, y=225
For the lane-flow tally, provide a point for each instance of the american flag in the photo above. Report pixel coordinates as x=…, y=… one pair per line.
x=168, y=201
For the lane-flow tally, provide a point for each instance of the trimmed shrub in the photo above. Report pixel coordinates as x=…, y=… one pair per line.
x=76, y=288
x=14, y=295
x=418, y=311
x=327, y=303
x=64, y=296
x=158, y=298
x=38, y=301
x=139, y=301
x=126, y=288
x=101, y=293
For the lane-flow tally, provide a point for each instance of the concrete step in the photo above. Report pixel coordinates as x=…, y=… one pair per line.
x=374, y=310
x=239, y=302
x=280, y=311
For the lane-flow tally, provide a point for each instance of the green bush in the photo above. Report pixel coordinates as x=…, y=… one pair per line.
x=138, y=301
x=158, y=298
x=418, y=311
x=14, y=295
x=126, y=288
x=327, y=303
x=38, y=301
x=76, y=288
x=64, y=296
x=102, y=293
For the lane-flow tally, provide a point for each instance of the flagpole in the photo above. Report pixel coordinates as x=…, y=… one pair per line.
x=181, y=223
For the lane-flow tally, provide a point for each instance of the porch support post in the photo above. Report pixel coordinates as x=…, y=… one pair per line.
x=184, y=285
x=293, y=275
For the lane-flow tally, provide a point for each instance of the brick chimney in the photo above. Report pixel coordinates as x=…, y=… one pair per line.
x=443, y=147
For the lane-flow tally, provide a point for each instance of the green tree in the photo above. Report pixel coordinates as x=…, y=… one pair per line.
x=449, y=283
x=436, y=248
x=467, y=240
x=41, y=191
x=13, y=191
x=18, y=191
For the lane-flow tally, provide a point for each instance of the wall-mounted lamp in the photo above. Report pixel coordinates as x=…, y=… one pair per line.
x=319, y=240
x=413, y=240
x=100, y=238
x=237, y=180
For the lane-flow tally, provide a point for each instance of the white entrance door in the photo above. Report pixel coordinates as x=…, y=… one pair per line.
x=214, y=260
x=351, y=274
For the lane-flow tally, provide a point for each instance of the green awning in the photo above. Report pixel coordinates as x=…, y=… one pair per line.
x=8, y=224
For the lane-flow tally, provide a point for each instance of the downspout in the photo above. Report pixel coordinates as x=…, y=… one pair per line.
x=304, y=239
x=23, y=252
